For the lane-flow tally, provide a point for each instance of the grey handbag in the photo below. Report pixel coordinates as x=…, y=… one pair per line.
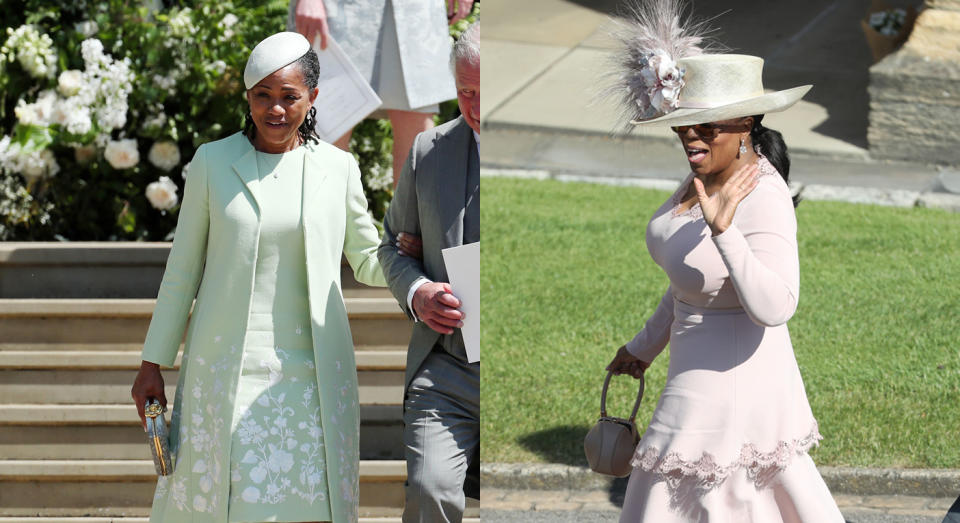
x=610, y=444
x=157, y=437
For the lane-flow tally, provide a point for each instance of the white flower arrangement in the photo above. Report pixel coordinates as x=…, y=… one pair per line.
x=162, y=194
x=228, y=21
x=87, y=28
x=122, y=154
x=165, y=155
x=29, y=160
x=181, y=24
x=378, y=178
x=663, y=79
x=33, y=50
x=106, y=85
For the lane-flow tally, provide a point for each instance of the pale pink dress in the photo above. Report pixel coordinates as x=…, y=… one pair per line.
x=728, y=440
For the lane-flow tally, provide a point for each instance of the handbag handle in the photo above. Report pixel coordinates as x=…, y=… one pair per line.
x=603, y=397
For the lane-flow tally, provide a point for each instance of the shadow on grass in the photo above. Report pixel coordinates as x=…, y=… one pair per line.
x=564, y=445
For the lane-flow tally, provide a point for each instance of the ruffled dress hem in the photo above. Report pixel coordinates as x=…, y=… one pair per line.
x=673, y=467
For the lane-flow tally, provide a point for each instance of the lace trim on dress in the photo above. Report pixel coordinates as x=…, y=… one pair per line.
x=695, y=212
x=760, y=466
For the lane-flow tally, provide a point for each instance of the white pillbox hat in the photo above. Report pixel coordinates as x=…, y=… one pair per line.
x=273, y=53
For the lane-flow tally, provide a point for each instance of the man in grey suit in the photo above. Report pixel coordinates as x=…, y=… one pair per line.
x=438, y=197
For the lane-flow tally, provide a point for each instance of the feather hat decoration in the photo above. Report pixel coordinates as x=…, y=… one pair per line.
x=653, y=38
x=667, y=72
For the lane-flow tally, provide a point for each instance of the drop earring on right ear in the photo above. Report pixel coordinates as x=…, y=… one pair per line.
x=743, y=148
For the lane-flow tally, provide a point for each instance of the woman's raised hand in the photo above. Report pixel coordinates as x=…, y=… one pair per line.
x=626, y=363
x=149, y=384
x=718, y=209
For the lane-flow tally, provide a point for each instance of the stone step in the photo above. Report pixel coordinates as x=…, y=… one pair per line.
x=133, y=519
x=105, y=359
x=377, y=387
x=29, y=432
x=105, y=270
x=373, y=321
x=105, y=488
x=135, y=347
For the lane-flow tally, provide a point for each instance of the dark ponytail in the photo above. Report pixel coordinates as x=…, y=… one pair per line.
x=770, y=143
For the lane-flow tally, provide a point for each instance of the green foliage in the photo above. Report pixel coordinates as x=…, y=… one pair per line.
x=187, y=60
x=567, y=279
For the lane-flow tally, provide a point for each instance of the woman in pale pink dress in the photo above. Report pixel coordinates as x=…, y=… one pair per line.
x=728, y=440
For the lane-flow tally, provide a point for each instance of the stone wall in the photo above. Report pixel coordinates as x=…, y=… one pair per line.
x=915, y=92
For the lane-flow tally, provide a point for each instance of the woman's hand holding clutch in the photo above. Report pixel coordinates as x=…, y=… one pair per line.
x=149, y=384
x=626, y=363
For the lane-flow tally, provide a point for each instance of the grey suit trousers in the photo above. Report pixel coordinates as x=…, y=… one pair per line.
x=442, y=439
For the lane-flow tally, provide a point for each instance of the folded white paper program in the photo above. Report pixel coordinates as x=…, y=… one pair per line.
x=345, y=96
x=463, y=269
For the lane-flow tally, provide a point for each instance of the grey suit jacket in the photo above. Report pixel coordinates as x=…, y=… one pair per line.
x=430, y=201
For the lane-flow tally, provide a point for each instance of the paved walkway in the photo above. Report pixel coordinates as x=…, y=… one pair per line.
x=556, y=506
x=541, y=112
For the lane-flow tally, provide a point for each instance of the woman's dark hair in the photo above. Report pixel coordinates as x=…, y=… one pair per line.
x=309, y=66
x=770, y=143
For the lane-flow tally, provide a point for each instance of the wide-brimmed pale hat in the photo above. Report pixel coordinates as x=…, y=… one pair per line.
x=723, y=86
x=668, y=72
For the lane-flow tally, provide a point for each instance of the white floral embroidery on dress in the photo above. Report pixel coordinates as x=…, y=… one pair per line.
x=274, y=446
x=202, y=442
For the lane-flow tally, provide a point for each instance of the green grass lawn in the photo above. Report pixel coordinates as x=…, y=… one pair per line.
x=567, y=279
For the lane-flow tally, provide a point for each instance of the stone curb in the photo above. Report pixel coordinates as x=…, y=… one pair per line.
x=799, y=149
x=812, y=192
x=852, y=481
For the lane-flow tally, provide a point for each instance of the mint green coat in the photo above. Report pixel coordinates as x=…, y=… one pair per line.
x=213, y=257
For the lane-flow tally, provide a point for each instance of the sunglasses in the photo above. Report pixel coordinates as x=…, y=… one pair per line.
x=708, y=130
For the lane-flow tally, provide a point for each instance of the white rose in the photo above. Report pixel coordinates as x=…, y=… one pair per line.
x=26, y=113
x=87, y=28
x=164, y=155
x=39, y=164
x=229, y=19
x=85, y=154
x=122, y=154
x=70, y=82
x=162, y=194
x=185, y=170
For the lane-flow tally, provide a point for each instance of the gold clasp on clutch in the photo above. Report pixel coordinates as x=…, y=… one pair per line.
x=153, y=410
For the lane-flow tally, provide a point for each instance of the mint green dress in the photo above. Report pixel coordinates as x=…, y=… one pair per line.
x=277, y=463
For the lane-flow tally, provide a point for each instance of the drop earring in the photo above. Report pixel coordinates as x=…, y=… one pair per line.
x=743, y=148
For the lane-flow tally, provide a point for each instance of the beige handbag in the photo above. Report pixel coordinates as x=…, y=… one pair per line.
x=610, y=443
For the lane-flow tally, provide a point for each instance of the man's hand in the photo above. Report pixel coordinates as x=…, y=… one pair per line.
x=149, y=384
x=458, y=10
x=311, y=18
x=437, y=307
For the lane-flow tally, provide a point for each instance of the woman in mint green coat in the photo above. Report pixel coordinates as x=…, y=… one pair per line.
x=265, y=423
